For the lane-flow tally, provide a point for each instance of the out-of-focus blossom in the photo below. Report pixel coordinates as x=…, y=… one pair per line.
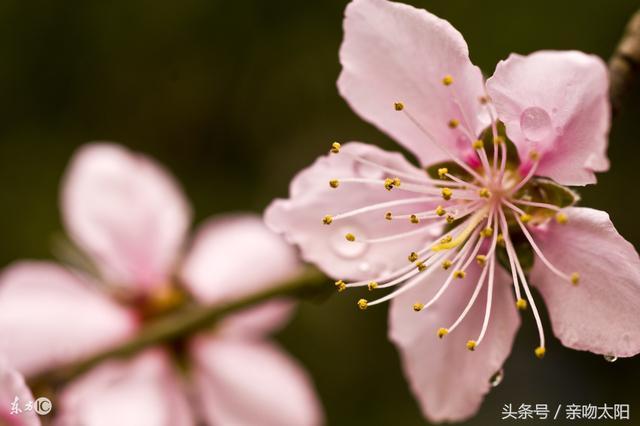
x=495, y=153
x=14, y=395
x=130, y=217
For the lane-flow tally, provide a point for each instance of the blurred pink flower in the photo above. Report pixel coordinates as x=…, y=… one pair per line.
x=484, y=198
x=14, y=394
x=130, y=217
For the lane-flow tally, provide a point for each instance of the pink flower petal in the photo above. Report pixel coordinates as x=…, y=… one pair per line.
x=139, y=392
x=299, y=218
x=393, y=52
x=257, y=321
x=127, y=212
x=234, y=256
x=12, y=386
x=252, y=382
x=556, y=103
x=49, y=316
x=601, y=314
x=448, y=380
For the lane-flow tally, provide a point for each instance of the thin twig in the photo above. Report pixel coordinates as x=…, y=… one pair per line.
x=183, y=323
x=624, y=64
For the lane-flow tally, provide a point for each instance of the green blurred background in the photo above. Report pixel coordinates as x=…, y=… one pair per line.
x=235, y=97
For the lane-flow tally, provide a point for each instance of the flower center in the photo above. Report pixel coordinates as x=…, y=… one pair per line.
x=482, y=207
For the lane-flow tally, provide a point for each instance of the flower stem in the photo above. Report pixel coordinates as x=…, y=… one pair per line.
x=185, y=322
x=624, y=64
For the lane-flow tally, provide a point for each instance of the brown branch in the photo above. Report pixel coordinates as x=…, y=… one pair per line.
x=624, y=64
x=182, y=323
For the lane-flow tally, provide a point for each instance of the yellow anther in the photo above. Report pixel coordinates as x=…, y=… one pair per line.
x=388, y=216
x=450, y=219
x=471, y=345
x=521, y=304
x=442, y=332
x=561, y=218
x=372, y=285
x=335, y=147
x=414, y=219
x=164, y=299
x=418, y=307
x=481, y=259
x=447, y=80
x=399, y=106
x=500, y=239
x=498, y=140
x=388, y=184
x=525, y=218
x=534, y=155
x=442, y=172
x=447, y=193
x=396, y=181
x=327, y=219
x=446, y=264
x=484, y=193
x=341, y=286
x=453, y=123
x=487, y=232
x=478, y=144
x=446, y=239
x=350, y=237
x=575, y=278
x=540, y=351
x=460, y=274
x=440, y=211
x=413, y=256
x=334, y=183
x=421, y=266
x=363, y=304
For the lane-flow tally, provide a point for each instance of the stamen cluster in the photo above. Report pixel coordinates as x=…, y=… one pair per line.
x=479, y=210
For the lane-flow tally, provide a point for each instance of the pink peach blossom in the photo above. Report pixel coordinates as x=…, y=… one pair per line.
x=131, y=219
x=14, y=394
x=496, y=153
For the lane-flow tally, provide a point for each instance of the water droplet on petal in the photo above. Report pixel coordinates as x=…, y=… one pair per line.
x=364, y=267
x=497, y=377
x=368, y=170
x=535, y=124
x=347, y=249
x=610, y=358
x=373, y=268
